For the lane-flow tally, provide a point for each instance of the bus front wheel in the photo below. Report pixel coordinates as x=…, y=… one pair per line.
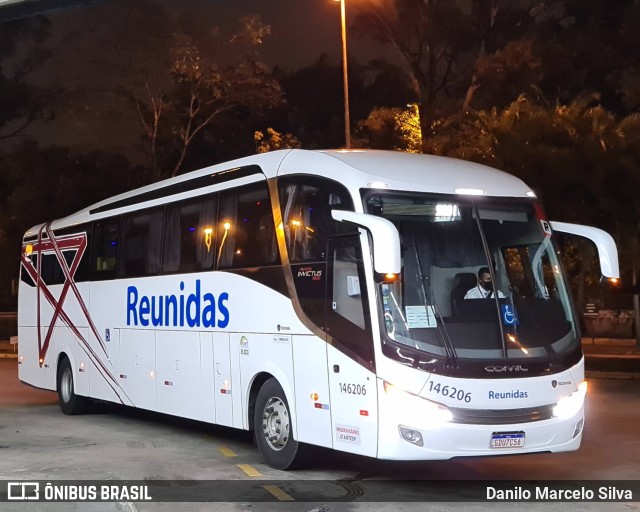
x=70, y=403
x=273, y=427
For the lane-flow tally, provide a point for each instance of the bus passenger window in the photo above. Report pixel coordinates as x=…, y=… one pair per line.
x=141, y=244
x=247, y=234
x=51, y=271
x=190, y=236
x=104, y=252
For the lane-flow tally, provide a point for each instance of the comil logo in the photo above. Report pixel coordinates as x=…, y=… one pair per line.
x=23, y=491
x=505, y=368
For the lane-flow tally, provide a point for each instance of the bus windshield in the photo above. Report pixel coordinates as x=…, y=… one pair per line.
x=438, y=306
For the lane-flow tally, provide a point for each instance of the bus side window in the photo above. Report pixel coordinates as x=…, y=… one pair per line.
x=348, y=314
x=25, y=277
x=51, y=271
x=190, y=235
x=141, y=244
x=104, y=250
x=522, y=276
x=306, y=205
x=247, y=234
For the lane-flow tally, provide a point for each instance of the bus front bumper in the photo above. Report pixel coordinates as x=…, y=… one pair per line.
x=409, y=431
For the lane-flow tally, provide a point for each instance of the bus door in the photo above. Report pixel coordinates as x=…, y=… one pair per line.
x=350, y=351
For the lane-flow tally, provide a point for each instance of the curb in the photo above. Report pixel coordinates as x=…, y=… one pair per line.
x=613, y=356
x=612, y=375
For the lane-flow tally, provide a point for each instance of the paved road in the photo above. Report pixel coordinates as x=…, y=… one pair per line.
x=13, y=392
x=38, y=442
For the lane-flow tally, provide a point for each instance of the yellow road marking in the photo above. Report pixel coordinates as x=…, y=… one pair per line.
x=227, y=452
x=278, y=493
x=249, y=470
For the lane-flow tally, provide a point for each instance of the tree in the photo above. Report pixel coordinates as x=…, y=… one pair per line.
x=451, y=48
x=202, y=89
x=315, y=105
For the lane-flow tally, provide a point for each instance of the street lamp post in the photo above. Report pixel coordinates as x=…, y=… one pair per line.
x=345, y=77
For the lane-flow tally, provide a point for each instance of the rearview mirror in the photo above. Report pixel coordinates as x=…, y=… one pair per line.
x=386, y=239
x=607, y=251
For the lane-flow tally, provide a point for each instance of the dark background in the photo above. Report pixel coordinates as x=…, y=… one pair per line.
x=97, y=97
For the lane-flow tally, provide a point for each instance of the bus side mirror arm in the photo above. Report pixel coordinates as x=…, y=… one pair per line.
x=386, y=239
x=607, y=251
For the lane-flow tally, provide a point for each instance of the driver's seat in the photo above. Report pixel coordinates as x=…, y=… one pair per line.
x=462, y=283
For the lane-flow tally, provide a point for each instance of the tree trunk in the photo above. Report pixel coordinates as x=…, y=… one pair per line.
x=424, y=116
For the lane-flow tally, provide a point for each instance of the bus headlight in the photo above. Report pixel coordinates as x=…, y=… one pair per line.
x=432, y=414
x=569, y=405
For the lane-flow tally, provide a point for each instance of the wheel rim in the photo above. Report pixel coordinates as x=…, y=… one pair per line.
x=275, y=423
x=66, y=385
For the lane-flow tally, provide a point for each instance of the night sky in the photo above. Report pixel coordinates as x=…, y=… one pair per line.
x=301, y=31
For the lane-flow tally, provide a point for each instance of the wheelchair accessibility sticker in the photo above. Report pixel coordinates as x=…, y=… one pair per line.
x=509, y=315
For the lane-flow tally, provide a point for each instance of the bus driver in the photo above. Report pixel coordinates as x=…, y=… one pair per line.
x=484, y=288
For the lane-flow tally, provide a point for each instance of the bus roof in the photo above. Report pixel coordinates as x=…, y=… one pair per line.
x=356, y=169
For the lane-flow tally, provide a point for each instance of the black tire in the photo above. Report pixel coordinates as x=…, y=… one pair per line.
x=273, y=429
x=70, y=403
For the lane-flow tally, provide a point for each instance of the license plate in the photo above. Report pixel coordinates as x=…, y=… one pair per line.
x=507, y=440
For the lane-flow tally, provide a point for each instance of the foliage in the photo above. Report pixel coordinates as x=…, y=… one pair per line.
x=274, y=141
x=453, y=49
x=391, y=128
x=481, y=54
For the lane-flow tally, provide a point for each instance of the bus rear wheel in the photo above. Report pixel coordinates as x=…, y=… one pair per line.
x=273, y=428
x=70, y=403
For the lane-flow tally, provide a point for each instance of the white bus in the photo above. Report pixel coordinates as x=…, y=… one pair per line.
x=317, y=298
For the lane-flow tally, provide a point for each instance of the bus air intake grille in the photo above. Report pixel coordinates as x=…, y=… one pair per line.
x=501, y=416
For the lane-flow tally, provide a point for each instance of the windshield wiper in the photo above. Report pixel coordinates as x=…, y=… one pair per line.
x=487, y=255
x=446, y=340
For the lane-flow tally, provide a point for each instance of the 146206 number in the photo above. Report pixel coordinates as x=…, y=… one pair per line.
x=450, y=391
x=352, y=389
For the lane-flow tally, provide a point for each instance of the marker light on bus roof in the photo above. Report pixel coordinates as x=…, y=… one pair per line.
x=377, y=184
x=470, y=191
x=531, y=193
x=28, y=250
